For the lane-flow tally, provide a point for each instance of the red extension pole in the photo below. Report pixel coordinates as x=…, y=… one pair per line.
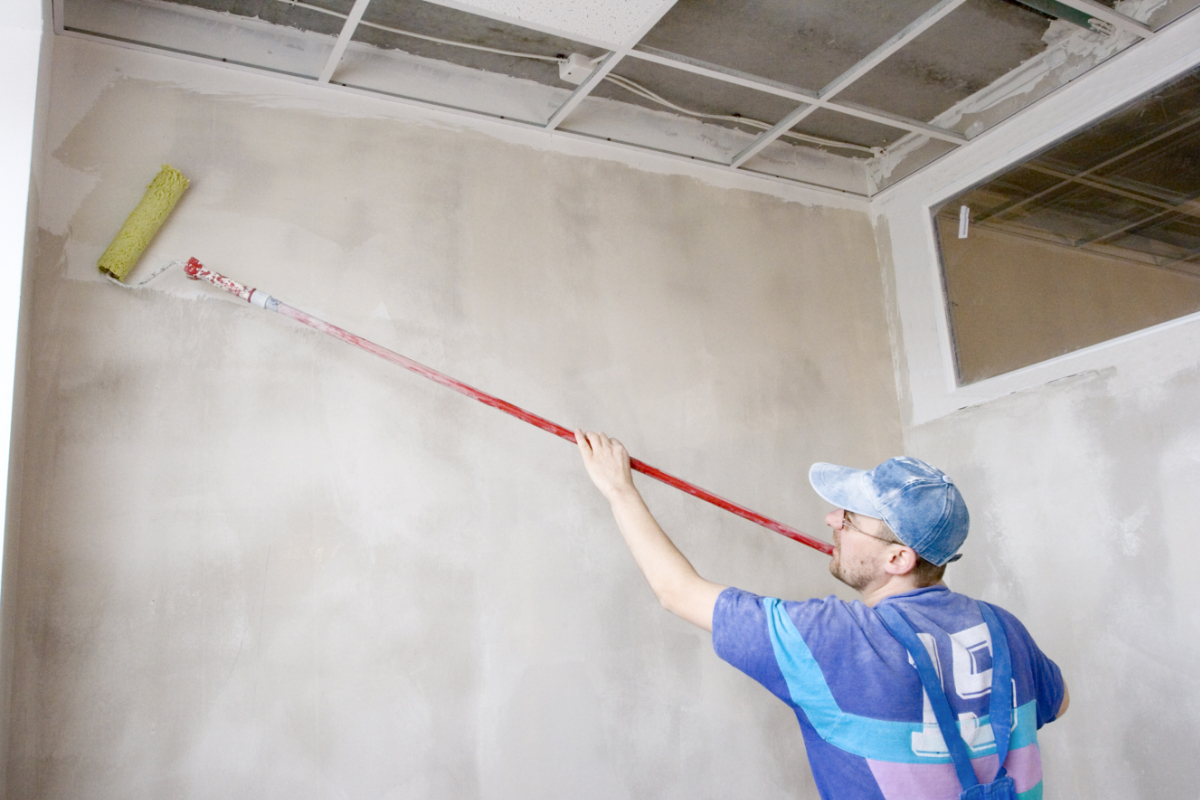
x=198, y=271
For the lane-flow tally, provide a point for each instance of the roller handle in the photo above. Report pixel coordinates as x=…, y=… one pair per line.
x=198, y=271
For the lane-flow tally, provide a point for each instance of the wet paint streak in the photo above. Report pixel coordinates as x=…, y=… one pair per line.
x=197, y=271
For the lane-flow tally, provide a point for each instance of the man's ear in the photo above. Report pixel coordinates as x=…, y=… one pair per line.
x=901, y=560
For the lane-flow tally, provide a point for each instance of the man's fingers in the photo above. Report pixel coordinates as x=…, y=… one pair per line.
x=596, y=442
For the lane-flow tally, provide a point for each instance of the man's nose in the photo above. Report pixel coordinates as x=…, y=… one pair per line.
x=834, y=518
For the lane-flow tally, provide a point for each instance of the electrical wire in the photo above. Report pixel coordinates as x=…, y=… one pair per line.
x=459, y=44
x=645, y=93
x=625, y=83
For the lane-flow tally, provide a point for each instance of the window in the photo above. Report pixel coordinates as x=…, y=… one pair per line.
x=1096, y=237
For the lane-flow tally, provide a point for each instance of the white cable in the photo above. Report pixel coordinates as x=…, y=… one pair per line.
x=153, y=275
x=642, y=91
x=555, y=59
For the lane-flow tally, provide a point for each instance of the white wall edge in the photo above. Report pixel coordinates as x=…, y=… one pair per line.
x=907, y=212
x=21, y=59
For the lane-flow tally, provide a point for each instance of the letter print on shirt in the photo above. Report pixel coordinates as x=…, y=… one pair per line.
x=971, y=651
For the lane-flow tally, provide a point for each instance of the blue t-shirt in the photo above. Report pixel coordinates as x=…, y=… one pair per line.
x=869, y=729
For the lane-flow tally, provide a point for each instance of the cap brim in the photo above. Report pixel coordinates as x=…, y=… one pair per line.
x=844, y=487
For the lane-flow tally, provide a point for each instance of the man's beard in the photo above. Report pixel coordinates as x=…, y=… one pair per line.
x=857, y=575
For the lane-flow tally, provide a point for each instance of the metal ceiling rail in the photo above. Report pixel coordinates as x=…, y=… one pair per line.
x=768, y=86
x=339, y=47
x=894, y=120
x=605, y=67
x=1114, y=252
x=910, y=32
x=1114, y=18
x=1189, y=207
x=1184, y=209
x=724, y=74
x=1127, y=226
x=1037, y=195
x=584, y=89
x=709, y=70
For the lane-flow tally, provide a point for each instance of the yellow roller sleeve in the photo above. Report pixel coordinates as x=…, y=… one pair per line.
x=162, y=194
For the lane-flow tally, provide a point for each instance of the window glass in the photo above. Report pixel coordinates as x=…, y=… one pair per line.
x=1096, y=237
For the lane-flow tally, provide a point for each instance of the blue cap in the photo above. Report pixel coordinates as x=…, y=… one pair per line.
x=918, y=502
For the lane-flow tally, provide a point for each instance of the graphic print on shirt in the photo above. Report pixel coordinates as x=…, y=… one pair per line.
x=972, y=670
x=972, y=650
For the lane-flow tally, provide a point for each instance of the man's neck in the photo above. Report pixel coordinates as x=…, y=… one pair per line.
x=895, y=584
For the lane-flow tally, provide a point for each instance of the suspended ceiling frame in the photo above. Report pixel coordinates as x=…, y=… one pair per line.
x=809, y=101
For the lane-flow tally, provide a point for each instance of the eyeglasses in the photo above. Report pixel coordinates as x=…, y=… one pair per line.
x=846, y=523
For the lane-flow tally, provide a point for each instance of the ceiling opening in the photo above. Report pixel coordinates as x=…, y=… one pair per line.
x=848, y=96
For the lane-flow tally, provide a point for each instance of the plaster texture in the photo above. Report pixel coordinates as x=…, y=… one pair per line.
x=254, y=562
x=1081, y=471
x=1082, y=500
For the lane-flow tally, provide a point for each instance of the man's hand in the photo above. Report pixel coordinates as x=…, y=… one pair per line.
x=607, y=463
x=674, y=581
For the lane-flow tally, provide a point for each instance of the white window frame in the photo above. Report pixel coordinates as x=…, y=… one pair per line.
x=925, y=363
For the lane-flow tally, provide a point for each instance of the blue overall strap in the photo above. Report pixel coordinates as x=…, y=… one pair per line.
x=898, y=625
x=1000, y=708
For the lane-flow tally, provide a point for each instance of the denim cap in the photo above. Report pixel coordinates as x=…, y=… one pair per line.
x=918, y=502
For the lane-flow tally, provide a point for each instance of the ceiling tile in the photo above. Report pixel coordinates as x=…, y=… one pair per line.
x=430, y=19
x=803, y=43
x=695, y=93
x=835, y=126
x=974, y=45
x=599, y=20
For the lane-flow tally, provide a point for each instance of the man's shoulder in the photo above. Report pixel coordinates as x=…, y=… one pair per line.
x=828, y=605
x=829, y=620
x=951, y=611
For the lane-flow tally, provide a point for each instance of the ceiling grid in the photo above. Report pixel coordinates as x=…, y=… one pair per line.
x=469, y=64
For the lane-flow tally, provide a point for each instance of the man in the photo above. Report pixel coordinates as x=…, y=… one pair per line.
x=868, y=725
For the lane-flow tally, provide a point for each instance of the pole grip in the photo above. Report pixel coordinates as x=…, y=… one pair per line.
x=198, y=272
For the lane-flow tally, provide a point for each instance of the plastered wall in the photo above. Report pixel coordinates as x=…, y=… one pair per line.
x=253, y=562
x=1083, y=497
x=1081, y=472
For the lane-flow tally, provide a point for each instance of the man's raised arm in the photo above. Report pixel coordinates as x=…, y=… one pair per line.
x=672, y=577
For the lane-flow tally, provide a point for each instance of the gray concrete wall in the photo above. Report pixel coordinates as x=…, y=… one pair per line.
x=1081, y=472
x=1083, y=501
x=254, y=562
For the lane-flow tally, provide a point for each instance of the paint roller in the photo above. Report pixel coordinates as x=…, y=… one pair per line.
x=134, y=236
x=165, y=190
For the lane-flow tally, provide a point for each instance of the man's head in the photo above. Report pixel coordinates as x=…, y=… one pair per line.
x=903, y=500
